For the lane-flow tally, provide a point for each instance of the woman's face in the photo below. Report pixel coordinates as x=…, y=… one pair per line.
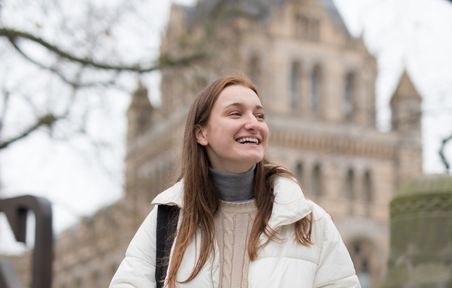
x=236, y=134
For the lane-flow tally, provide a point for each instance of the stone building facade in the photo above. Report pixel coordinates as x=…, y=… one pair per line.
x=318, y=87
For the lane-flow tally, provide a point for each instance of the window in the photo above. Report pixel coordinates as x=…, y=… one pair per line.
x=349, y=94
x=294, y=85
x=299, y=171
x=306, y=27
x=350, y=189
x=316, y=182
x=255, y=69
x=368, y=191
x=349, y=185
x=314, y=95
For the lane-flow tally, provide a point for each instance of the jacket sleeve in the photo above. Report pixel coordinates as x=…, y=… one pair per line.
x=335, y=268
x=137, y=269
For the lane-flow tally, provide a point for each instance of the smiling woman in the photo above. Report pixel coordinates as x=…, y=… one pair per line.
x=236, y=134
x=244, y=222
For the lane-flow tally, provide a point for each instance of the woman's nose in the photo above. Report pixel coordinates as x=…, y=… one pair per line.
x=251, y=122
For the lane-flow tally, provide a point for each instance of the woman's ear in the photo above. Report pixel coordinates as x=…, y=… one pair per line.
x=201, y=136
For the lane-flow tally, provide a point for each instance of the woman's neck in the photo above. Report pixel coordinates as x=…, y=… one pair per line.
x=234, y=187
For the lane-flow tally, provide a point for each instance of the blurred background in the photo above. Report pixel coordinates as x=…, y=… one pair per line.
x=94, y=94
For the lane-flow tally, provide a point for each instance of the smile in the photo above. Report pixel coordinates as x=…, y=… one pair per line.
x=246, y=140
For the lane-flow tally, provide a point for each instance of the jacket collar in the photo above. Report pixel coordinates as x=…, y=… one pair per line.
x=172, y=196
x=289, y=206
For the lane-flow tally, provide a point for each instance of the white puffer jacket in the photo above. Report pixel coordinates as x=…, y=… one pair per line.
x=281, y=263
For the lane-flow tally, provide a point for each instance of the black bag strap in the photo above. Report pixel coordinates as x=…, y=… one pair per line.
x=167, y=217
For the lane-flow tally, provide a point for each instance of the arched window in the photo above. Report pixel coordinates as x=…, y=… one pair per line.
x=368, y=191
x=316, y=181
x=315, y=89
x=294, y=86
x=255, y=69
x=350, y=189
x=349, y=185
x=349, y=94
x=299, y=171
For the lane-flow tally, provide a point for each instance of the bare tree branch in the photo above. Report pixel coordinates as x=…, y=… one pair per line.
x=45, y=120
x=82, y=62
x=58, y=73
x=164, y=61
x=442, y=155
x=6, y=98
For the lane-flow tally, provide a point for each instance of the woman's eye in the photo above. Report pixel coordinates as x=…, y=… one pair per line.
x=260, y=116
x=235, y=113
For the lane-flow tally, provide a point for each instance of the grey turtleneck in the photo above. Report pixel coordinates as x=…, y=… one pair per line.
x=234, y=187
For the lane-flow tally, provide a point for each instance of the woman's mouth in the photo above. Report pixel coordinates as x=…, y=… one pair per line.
x=248, y=140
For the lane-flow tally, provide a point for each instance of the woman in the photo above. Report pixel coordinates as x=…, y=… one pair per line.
x=243, y=222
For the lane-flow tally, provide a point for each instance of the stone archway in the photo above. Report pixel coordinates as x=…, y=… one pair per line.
x=361, y=252
x=366, y=241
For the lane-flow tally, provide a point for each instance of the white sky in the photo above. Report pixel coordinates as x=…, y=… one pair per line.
x=78, y=180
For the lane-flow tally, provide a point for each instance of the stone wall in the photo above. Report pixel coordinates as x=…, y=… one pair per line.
x=421, y=234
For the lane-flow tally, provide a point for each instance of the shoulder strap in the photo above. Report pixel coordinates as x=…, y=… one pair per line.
x=166, y=230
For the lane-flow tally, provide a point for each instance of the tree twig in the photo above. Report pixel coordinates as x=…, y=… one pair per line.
x=6, y=95
x=45, y=120
x=442, y=155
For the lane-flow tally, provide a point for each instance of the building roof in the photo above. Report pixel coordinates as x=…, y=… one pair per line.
x=335, y=15
x=405, y=89
x=260, y=9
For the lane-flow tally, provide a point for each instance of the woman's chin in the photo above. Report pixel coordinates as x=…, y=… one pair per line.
x=249, y=162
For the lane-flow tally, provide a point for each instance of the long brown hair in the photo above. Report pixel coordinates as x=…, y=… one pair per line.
x=201, y=202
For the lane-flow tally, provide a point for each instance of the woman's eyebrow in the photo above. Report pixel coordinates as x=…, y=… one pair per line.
x=240, y=105
x=235, y=104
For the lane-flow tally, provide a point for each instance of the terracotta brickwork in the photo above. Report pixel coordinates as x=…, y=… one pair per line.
x=318, y=87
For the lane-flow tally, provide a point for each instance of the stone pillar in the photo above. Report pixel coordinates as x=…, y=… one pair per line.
x=421, y=234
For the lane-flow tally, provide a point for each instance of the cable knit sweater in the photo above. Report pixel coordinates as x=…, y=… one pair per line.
x=233, y=224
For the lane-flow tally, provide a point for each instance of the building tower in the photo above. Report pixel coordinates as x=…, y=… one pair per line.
x=406, y=105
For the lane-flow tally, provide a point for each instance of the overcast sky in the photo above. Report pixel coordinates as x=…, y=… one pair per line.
x=411, y=34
